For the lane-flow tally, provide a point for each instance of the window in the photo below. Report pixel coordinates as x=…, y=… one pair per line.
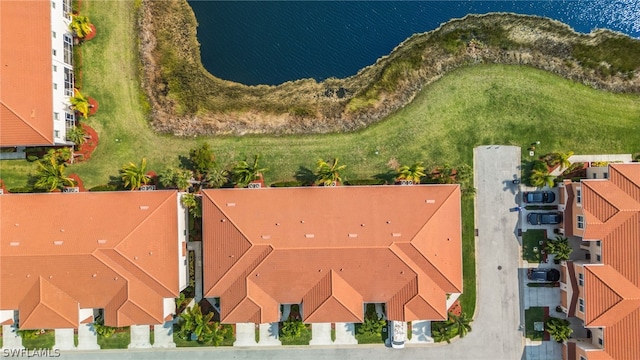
x=55, y=68
x=53, y=33
x=66, y=8
x=581, y=304
x=578, y=196
x=580, y=279
x=53, y=4
x=56, y=133
x=54, y=52
x=68, y=49
x=56, y=116
x=594, y=176
x=598, y=243
x=600, y=342
x=55, y=86
x=580, y=222
x=606, y=175
x=70, y=120
x=68, y=82
x=598, y=258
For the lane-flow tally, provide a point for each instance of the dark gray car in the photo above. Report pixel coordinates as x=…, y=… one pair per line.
x=549, y=275
x=539, y=197
x=536, y=218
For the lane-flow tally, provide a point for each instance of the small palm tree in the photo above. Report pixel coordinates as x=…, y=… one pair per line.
x=243, y=172
x=194, y=323
x=101, y=328
x=328, y=173
x=559, y=247
x=461, y=323
x=193, y=203
x=172, y=178
x=444, y=174
x=77, y=135
x=80, y=103
x=372, y=325
x=80, y=26
x=559, y=158
x=51, y=175
x=412, y=173
x=541, y=177
x=134, y=176
x=292, y=328
x=216, y=178
x=560, y=329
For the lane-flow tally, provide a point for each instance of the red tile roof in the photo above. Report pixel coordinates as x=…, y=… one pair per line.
x=332, y=249
x=26, y=81
x=612, y=289
x=116, y=251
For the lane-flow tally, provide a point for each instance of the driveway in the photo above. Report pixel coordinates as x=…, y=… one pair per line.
x=495, y=335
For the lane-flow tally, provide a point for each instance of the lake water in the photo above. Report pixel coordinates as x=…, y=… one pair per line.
x=270, y=42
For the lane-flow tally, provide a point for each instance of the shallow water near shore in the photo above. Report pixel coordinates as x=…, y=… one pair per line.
x=270, y=42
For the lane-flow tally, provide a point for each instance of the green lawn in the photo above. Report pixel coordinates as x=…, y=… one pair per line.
x=532, y=315
x=468, y=297
x=119, y=340
x=42, y=341
x=531, y=245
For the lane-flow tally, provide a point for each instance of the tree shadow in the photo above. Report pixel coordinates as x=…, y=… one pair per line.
x=305, y=176
x=389, y=177
x=185, y=162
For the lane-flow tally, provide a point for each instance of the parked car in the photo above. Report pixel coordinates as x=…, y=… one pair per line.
x=539, y=197
x=546, y=274
x=536, y=218
x=396, y=334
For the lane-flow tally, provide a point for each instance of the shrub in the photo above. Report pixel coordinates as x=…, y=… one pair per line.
x=32, y=158
x=292, y=183
x=104, y=187
x=365, y=182
x=20, y=190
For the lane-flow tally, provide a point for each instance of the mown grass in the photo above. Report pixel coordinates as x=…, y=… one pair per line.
x=42, y=341
x=530, y=241
x=531, y=315
x=119, y=340
x=468, y=297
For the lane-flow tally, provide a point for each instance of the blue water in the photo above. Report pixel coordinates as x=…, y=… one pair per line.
x=270, y=42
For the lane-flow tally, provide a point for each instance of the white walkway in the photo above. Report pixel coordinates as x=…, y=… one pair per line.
x=10, y=338
x=321, y=334
x=345, y=334
x=140, y=337
x=245, y=334
x=64, y=339
x=163, y=335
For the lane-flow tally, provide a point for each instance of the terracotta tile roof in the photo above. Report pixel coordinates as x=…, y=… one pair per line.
x=612, y=289
x=332, y=249
x=567, y=219
x=114, y=250
x=26, y=81
x=571, y=310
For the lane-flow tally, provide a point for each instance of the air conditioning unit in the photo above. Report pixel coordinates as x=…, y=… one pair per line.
x=147, y=187
x=333, y=183
x=254, y=185
x=406, y=182
x=71, y=189
x=1, y=191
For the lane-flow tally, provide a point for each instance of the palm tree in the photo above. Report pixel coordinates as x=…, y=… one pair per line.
x=193, y=203
x=134, y=176
x=101, y=328
x=51, y=175
x=562, y=159
x=77, y=135
x=193, y=322
x=328, y=174
x=80, y=26
x=243, y=173
x=461, y=323
x=541, y=177
x=292, y=328
x=216, y=178
x=79, y=103
x=412, y=173
x=172, y=178
x=560, y=329
x=559, y=247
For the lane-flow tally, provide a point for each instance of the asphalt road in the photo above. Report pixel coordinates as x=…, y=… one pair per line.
x=495, y=335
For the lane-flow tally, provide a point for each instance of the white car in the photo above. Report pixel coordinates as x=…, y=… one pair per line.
x=396, y=334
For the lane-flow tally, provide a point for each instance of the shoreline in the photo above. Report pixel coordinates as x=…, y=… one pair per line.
x=186, y=100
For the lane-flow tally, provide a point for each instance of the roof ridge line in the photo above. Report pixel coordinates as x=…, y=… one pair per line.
x=231, y=221
x=614, y=166
x=25, y=121
x=604, y=198
x=225, y=275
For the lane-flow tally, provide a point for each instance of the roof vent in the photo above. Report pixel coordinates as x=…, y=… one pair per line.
x=396, y=234
x=353, y=235
x=231, y=204
x=266, y=237
x=58, y=242
x=430, y=201
x=102, y=241
x=144, y=207
x=309, y=236
x=362, y=225
x=14, y=243
x=388, y=221
x=94, y=275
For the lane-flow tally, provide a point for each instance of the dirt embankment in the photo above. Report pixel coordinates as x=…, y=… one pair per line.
x=187, y=100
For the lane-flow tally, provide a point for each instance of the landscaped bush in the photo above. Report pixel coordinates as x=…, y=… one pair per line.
x=365, y=182
x=104, y=187
x=20, y=190
x=292, y=183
